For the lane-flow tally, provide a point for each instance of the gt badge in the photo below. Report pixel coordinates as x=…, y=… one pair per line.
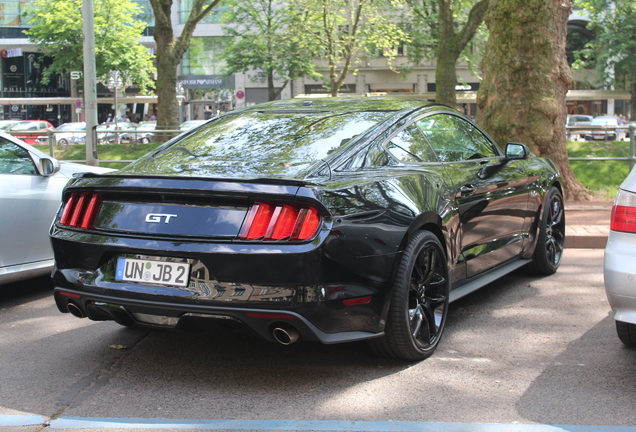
x=157, y=217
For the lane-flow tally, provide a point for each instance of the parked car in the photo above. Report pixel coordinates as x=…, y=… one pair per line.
x=6, y=123
x=35, y=129
x=143, y=133
x=620, y=255
x=31, y=186
x=611, y=128
x=327, y=220
x=187, y=125
x=574, y=123
x=70, y=133
x=113, y=132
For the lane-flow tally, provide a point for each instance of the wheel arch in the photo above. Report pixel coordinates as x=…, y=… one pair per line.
x=428, y=221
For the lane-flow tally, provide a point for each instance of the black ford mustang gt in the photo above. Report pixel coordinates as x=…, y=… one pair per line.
x=325, y=220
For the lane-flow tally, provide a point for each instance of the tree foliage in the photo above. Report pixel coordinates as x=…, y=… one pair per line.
x=445, y=28
x=57, y=32
x=346, y=33
x=266, y=42
x=613, y=51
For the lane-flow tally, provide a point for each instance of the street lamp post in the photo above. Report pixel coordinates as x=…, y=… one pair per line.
x=90, y=81
x=115, y=84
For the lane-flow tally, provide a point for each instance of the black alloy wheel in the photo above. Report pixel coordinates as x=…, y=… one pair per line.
x=551, y=242
x=419, y=302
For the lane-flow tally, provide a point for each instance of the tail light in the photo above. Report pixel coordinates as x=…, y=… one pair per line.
x=624, y=212
x=80, y=210
x=281, y=222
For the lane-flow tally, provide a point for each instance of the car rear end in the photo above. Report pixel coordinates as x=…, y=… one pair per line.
x=620, y=255
x=173, y=252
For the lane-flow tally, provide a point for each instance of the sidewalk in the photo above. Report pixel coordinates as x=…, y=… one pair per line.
x=587, y=224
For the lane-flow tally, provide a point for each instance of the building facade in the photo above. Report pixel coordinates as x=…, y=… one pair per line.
x=206, y=92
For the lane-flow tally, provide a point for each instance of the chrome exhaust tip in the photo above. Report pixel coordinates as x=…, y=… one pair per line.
x=75, y=310
x=285, y=335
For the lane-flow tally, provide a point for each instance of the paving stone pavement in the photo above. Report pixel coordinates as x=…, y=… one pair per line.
x=587, y=224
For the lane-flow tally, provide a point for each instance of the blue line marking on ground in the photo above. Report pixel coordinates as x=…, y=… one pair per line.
x=21, y=420
x=317, y=425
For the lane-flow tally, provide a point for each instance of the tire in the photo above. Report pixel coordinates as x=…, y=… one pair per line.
x=551, y=240
x=145, y=140
x=419, y=302
x=63, y=142
x=626, y=333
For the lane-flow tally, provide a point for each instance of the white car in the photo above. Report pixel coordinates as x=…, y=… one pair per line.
x=31, y=184
x=620, y=256
x=187, y=125
x=70, y=133
x=611, y=128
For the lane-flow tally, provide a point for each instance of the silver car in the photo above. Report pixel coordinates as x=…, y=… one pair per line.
x=31, y=184
x=620, y=256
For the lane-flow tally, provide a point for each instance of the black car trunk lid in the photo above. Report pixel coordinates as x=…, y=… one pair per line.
x=171, y=207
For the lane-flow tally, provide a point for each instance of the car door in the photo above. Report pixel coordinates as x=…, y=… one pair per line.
x=491, y=196
x=29, y=201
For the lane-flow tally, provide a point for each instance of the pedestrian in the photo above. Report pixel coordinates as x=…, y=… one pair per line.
x=109, y=119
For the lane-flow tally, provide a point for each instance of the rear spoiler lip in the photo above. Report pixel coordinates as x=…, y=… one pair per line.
x=253, y=189
x=268, y=180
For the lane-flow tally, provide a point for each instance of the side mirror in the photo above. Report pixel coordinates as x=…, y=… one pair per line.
x=48, y=166
x=517, y=151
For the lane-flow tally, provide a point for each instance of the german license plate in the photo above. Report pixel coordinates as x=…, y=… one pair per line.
x=156, y=272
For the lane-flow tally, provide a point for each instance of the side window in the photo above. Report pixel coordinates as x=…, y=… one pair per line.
x=455, y=139
x=409, y=145
x=14, y=159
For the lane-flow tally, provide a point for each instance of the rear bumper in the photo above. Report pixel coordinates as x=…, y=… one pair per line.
x=167, y=315
x=315, y=293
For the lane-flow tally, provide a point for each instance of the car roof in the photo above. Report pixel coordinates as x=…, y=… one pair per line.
x=341, y=105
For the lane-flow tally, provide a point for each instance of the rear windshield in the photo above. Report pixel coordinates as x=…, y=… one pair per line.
x=257, y=144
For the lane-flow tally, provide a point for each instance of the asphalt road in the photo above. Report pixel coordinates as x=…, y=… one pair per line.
x=520, y=353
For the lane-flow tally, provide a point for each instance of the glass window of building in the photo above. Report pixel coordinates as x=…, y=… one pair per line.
x=11, y=13
x=145, y=12
x=214, y=17
x=203, y=56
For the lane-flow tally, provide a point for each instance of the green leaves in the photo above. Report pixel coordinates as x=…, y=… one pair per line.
x=57, y=32
x=346, y=33
x=612, y=52
x=267, y=41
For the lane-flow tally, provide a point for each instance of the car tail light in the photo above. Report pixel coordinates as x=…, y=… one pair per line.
x=80, y=210
x=624, y=212
x=289, y=222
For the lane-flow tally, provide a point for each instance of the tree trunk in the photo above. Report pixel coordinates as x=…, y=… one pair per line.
x=451, y=45
x=168, y=112
x=446, y=77
x=526, y=78
x=168, y=56
x=446, y=72
x=271, y=91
